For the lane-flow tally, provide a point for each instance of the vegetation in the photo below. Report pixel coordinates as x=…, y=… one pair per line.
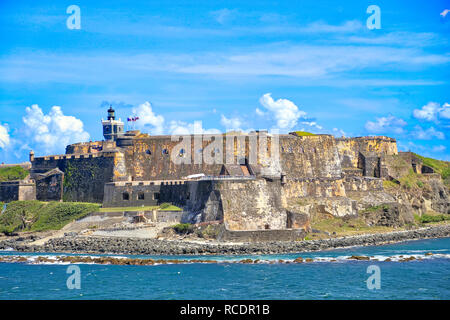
x=163, y=207
x=41, y=216
x=183, y=228
x=439, y=166
x=427, y=218
x=13, y=173
x=304, y=133
x=344, y=226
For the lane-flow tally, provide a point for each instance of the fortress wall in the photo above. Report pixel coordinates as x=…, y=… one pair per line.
x=309, y=157
x=363, y=184
x=84, y=175
x=242, y=204
x=17, y=190
x=145, y=159
x=349, y=148
x=314, y=188
x=146, y=193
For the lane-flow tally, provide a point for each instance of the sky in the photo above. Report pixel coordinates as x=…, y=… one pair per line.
x=317, y=66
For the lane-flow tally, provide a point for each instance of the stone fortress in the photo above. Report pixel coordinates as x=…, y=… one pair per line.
x=293, y=178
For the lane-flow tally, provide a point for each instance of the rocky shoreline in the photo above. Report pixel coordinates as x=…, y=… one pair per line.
x=139, y=246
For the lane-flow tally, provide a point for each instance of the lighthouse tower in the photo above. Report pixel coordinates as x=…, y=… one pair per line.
x=112, y=128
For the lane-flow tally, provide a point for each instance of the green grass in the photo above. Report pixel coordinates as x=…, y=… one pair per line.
x=41, y=216
x=427, y=218
x=13, y=173
x=304, y=133
x=439, y=166
x=163, y=207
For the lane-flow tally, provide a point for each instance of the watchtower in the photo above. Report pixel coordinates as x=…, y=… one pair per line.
x=112, y=128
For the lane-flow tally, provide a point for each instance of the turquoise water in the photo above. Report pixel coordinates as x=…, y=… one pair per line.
x=325, y=279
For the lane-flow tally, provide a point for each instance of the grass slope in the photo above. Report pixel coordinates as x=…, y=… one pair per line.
x=12, y=173
x=41, y=216
x=439, y=166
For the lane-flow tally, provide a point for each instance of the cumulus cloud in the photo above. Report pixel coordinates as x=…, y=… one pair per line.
x=444, y=112
x=285, y=112
x=148, y=119
x=312, y=124
x=231, y=123
x=4, y=136
x=428, y=134
x=389, y=124
x=259, y=112
x=53, y=131
x=184, y=128
x=444, y=13
x=433, y=111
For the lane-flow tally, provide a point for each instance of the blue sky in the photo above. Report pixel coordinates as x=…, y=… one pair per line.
x=292, y=65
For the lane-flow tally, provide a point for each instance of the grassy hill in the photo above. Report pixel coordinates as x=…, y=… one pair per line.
x=439, y=166
x=40, y=216
x=13, y=173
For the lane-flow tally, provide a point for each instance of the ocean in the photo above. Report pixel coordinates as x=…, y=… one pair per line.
x=330, y=276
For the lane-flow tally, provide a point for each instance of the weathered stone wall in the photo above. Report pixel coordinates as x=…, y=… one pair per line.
x=242, y=204
x=314, y=187
x=262, y=235
x=17, y=190
x=349, y=149
x=84, y=175
x=144, y=193
x=49, y=187
x=363, y=184
x=309, y=157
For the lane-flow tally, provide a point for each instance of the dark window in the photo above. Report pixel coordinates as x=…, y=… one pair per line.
x=188, y=195
x=165, y=151
x=156, y=196
x=141, y=196
x=125, y=196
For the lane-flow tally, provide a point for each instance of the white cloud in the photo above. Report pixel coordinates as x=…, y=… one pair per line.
x=323, y=27
x=444, y=112
x=389, y=124
x=148, y=118
x=444, y=13
x=285, y=112
x=259, y=112
x=231, y=123
x=428, y=134
x=223, y=15
x=432, y=111
x=338, y=132
x=4, y=137
x=54, y=131
x=428, y=111
x=439, y=148
x=312, y=124
x=184, y=128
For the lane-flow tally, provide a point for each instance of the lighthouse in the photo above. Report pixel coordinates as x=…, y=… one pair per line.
x=112, y=128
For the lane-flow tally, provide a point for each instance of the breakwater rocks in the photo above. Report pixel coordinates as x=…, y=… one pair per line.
x=116, y=245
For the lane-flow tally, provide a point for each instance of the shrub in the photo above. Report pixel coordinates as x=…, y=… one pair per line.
x=434, y=218
x=183, y=228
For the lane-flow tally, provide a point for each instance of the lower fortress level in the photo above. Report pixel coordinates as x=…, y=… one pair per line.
x=291, y=178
